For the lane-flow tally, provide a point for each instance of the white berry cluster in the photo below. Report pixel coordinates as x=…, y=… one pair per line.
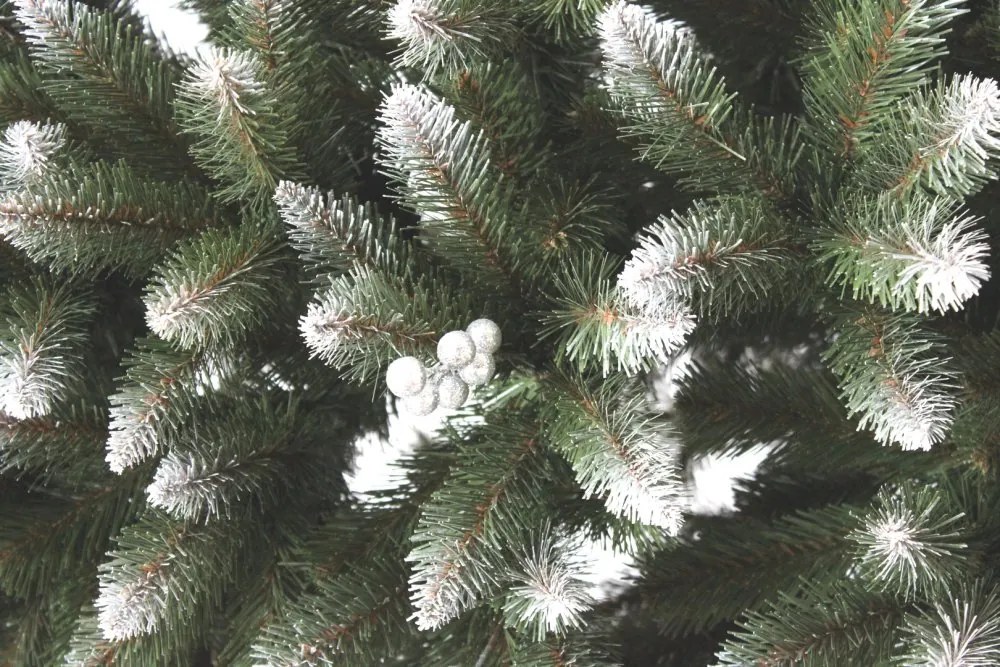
x=466, y=360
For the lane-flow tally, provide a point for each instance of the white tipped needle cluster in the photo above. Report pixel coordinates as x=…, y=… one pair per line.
x=27, y=149
x=551, y=594
x=466, y=361
x=225, y=76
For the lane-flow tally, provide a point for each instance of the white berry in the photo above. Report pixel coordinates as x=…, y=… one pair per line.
x=479, y=371
x=406, y=376
x=423, y=403
x=456, y=349
x=485, y=334
x=452, y=392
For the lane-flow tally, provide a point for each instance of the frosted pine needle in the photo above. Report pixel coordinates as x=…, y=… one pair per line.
x=225, y=75
x=131, y=440
x=29, y=381
x=631, y=35
x=131, y=609
x=40, y=16
x=439, y=593
x=947, y=269
x=646, y=336
x=182, y=487
x=326, y=325
x=444, y=33
x=642, y=486
x=962, y=632
x=909, y=540
x=417, y=23
x=550, y=595
x=27, y=149
x=970, y=117
x=910, y=412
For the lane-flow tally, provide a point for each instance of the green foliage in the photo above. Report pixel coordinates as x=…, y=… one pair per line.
x=594, y=326
x=102, y=217
x=104, y=75
x=616, y=452
x=234, y=467
x=446, y=34
x=723, y=257
x=894, y=375
x=41, y=347
x=444, y=173
x=160, y=388
x=726, y=568
x=216, y=288
x=908, y=541
x=821, y=626
x=239, y=137
x=676, y=105
x=468, y=528
x=940, y=140
x=918, y=254
x=863, y=58
x=797, y=265
x=366, y=318
x=37, y=447
x=333, y=234
x=963, y=628
x=147, y=585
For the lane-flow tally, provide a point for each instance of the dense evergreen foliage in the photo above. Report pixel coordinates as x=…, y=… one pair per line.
x=209, y=262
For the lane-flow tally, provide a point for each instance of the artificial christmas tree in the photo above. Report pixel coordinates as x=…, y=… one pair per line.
x=220, y=272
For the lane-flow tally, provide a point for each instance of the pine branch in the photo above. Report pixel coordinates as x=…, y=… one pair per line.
x=566, y=20
x=736, y=564
x=617, y=454
x=942, y=139
x=446, y=35
x=100, y=217
x=239, y=138
x=892, y=375
x=444, y=173
x=357, y=616
x=567, y=652
x=722, y=257
x=27, y=151
x=147, y=584
x=45, y=541
x=470, y=523
x=909, y=541
x=595, y=327
x=334, y=234
x=22, y=96
x=819, y=627
x=864, y=57
x=41, y=347
x=89, y=648
x=216, y=289
x=677, y=107
x=367, y=318
x=158, y=391
x=549, y=595
x=234, y=465
x=502, y=99
x=918, y=254
x=66, y=446
x=103, y=75
x=960, y=630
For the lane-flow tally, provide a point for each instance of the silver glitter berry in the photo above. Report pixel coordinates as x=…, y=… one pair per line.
x=479, y=371
x=456, y=349
x=406, y=376
x=452, y=392
x=485, y=334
